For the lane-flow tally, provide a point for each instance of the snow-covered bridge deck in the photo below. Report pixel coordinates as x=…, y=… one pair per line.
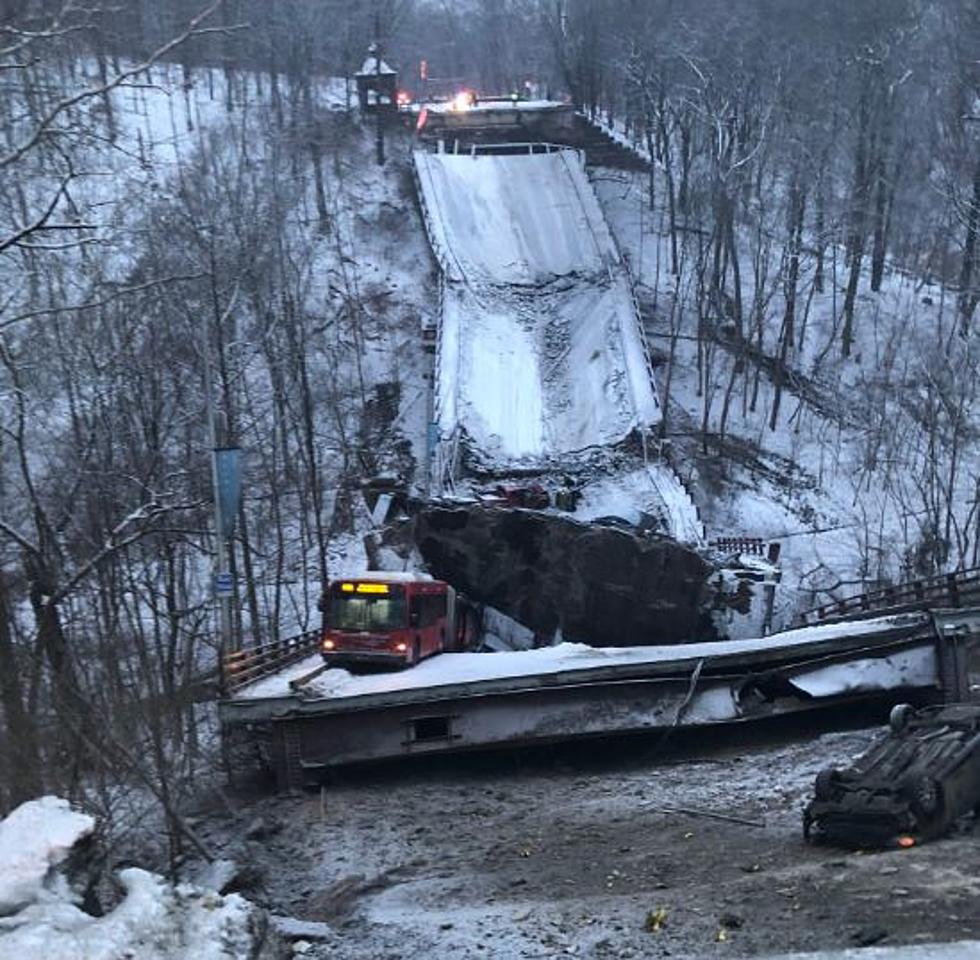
x=466, y=701
x=541, y=352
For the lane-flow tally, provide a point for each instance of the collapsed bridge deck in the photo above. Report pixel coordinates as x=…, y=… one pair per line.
x=540, y=347
x=309, y=720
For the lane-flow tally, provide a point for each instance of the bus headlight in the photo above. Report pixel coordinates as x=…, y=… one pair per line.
x=401, y=647
x=328, y=644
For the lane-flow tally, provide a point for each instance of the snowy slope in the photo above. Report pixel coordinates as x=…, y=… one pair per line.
x=540, y=347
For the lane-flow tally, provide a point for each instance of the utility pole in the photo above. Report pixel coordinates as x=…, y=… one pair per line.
x=378, y=114
x=216, y=430
x=226, y=488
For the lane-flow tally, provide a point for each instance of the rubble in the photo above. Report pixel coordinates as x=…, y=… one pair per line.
x=598, y=585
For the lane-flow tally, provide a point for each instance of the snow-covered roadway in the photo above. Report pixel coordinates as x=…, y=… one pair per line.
x=454, y=669
x=541, y=351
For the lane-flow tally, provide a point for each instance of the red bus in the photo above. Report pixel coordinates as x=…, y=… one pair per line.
x=390, y=619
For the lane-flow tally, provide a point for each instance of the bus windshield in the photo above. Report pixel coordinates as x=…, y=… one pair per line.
x=357, y=612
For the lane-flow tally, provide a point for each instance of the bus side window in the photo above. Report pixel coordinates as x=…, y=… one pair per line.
x=427, y=610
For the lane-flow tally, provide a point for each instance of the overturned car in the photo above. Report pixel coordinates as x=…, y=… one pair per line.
x=911, y=785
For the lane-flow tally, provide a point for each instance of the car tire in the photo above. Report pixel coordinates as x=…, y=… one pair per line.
x=926, y=796
x=899, y=717
x=825, y=787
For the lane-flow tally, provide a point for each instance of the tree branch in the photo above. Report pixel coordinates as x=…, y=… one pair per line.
x=15, y=238
x=146, y=511
x=193, y=29
x=92, y=304
x=17, y=537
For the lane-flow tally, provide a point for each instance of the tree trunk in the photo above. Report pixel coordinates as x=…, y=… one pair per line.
x=969, y=295
x=321, y=196
x=23, y=763
x=859, y=201
x=788, y=332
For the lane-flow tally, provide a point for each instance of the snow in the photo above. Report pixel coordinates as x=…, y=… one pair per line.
x=540, y=349
x=457, y=668
x=391, y=576
x=34, y=840
x=685, y=521
x=905, y=668
x=154, y=921
x=39, y=918
x=651, y=490
x=522, y=219
x=959, y=950
x=293, y=929
x=372, y=67
x=492, y=104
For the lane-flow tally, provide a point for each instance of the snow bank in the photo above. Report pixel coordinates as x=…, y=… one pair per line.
x=34, y=840
x=154, y=921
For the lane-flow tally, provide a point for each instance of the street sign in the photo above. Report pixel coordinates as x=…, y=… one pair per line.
x=224, y=586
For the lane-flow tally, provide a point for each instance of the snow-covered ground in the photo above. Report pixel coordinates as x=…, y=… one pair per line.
x=40, y=916
x=846, y=481
x=571, y=853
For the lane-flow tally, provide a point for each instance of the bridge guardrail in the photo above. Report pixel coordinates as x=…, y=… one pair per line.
x=242, y=667
x=957, y=589
x=753, y=546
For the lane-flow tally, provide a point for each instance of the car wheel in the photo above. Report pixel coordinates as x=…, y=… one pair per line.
x=899, y=717
x=926, y=796
x=825, y=787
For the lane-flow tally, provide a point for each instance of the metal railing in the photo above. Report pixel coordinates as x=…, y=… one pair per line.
x=242, y=667
x=617, y=138
x=958, y=589
x=753, y=546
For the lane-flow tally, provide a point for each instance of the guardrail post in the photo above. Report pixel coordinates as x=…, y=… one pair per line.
x=286, y=755
x=951, y=649
x=952, y=588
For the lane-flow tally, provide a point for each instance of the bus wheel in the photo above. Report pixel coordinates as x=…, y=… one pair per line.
x=416, y=651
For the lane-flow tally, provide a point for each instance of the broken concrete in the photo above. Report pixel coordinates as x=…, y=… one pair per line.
x=597, y=585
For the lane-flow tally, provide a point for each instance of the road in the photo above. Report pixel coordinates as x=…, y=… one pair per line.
x=602, y=851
